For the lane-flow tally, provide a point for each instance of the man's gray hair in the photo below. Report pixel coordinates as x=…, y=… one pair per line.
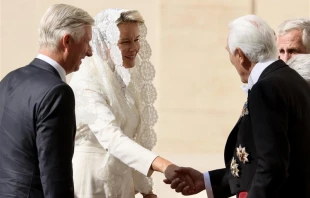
x=301, y=63
x=59, y=20
x=254, y=37
x=302, y=24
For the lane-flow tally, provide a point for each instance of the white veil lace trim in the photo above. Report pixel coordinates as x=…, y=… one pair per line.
x=138, y=79
x=106, y=66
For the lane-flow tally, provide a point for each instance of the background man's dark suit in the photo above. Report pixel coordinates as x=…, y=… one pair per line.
x=37, y=130
x=276, y=135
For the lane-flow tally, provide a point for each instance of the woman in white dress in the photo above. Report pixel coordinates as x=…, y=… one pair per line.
x=114, y=111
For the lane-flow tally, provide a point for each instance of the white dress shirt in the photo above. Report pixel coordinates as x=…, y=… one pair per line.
x=253, y=78
x=53, y=63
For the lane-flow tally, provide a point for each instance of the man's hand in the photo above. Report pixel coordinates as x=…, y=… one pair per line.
x=180, y=186
x=149, y=195
x=171, y=174
x=169, y=170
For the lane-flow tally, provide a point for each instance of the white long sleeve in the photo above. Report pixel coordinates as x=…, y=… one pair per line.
x=92, y=105
x=121, y=146
x=208, y=186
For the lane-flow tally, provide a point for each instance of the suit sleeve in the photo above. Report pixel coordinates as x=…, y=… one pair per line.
x=219, y=183
x=55, y=141
x=269, y=119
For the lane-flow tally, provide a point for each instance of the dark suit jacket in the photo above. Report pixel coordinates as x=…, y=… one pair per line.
x=37, y=130
x=276, y=135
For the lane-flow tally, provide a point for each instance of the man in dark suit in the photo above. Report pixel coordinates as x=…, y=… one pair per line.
x=37, y=118
x=267, y=152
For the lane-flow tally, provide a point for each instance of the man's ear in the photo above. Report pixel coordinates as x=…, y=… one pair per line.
x=66, y=40
x=244, y=61
x=240, y=55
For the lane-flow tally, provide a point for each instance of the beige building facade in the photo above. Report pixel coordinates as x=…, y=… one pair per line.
x=199, y=94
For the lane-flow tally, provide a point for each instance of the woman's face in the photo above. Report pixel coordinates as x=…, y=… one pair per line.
x=129, y=43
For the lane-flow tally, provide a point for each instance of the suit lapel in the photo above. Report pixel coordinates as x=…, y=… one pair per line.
x=231, y=142
x=44, y=65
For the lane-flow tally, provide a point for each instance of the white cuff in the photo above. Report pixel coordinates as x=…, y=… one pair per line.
x=208, y=186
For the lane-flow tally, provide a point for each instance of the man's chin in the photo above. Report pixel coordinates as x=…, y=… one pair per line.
x=244, y=80
x=76, y=68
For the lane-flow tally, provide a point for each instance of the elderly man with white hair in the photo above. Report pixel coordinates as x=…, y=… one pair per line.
x=266, y=153
x=301, y=63
x=293, y=38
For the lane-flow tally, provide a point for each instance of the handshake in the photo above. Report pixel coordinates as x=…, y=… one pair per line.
x=185, y=180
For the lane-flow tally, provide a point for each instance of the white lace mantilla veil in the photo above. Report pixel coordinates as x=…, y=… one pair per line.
x=106, y=69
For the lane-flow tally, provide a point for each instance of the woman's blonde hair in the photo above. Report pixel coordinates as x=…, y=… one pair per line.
x=130, y=16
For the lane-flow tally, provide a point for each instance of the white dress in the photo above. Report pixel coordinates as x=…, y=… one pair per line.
x=115, y=116
x=101, y=140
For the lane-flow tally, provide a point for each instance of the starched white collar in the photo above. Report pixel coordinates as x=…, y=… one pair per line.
x=255, y=74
